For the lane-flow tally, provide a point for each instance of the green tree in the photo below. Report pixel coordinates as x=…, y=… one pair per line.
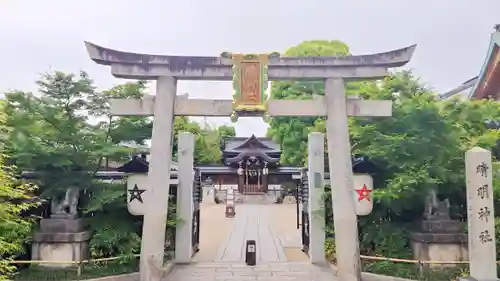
x=421, y=147
x=14, y=200
x=60, y=135
x=291, y=132
x=225, y=132
x=207, y=139
x=66, y=134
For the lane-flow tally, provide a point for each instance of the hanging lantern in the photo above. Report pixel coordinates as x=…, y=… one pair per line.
x=265, y=171
x=240, y=171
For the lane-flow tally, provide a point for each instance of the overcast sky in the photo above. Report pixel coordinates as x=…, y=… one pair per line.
x=38, y=36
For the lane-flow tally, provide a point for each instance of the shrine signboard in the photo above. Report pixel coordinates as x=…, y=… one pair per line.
x=250, y=81
x=480, y=214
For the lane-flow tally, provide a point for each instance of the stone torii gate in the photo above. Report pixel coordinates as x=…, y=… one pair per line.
x=250, y=74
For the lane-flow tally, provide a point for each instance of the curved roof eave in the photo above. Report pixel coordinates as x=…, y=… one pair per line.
x=466, y=85
x=244, y=154
x=494, y=41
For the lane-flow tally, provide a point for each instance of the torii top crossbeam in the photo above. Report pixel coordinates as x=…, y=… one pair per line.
x=147, y=66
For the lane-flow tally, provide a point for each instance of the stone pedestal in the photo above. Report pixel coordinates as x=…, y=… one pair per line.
x=60, y=239
x=440, y=240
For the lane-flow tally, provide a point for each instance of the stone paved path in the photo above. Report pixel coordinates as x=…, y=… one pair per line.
x=252, y=222
x=269, y=225
x=270, y=271
x=214, y=230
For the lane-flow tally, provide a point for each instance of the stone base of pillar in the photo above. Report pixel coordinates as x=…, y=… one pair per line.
x=440, y=240
x=60, y=240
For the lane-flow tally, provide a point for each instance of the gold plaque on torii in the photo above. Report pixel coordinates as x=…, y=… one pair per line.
x=250, y=82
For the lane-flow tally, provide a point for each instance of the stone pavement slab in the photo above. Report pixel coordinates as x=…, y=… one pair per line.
x=270, y=271
x=252, y=222
x=272, y=226
x=214, y=230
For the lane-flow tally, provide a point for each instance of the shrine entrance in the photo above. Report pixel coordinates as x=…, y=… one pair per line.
x=251, y=173
x=250, y=74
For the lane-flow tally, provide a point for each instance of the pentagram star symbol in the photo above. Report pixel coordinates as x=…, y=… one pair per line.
x=363, y=193
x=135, y=193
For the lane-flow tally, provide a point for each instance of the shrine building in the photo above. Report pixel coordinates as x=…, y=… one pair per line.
x=250, y=166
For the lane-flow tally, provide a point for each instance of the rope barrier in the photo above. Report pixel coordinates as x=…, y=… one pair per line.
x=71, y=262
x=364, y=257
x=79, y=264
x=413, y=261
x=375, y=258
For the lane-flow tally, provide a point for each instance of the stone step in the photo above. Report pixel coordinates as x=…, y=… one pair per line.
x=256, y=199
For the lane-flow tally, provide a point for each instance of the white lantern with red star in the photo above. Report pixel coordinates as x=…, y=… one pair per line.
x=363, y=188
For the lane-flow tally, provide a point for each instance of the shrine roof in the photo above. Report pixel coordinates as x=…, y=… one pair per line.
x=488, y=82
x=462, y=90
x=140, y=164
x=240, y=144
x=251, y=152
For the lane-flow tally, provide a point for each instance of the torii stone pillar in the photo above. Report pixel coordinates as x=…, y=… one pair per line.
x=341, y=179
x=184, y=246
x=316, y=175
x=250, y=74
x=155, y=219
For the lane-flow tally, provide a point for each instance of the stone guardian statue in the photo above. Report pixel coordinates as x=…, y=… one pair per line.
x=68, y=206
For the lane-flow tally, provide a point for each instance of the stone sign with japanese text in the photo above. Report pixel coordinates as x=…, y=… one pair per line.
x=481, y=225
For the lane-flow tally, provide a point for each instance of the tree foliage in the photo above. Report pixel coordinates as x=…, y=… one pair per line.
x=207, y=139
x=65, y=133
x=14, y=200
x=291, y=132
x=421, y=147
